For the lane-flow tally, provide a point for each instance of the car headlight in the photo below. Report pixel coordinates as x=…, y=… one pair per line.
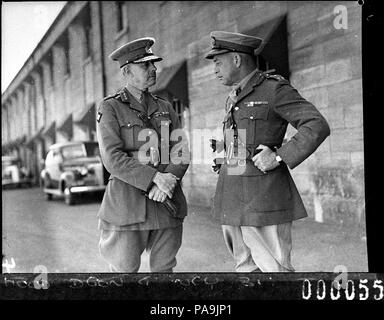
x=78, y=174
x=84, y=171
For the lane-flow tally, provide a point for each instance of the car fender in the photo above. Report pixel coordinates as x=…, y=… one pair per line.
x=66, y=178
x=43, y=173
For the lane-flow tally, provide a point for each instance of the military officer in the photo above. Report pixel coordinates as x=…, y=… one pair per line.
x=257, y=205
x=133, y=216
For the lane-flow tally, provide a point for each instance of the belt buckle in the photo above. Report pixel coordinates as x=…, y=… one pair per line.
x=241, y=162
x=231, y=162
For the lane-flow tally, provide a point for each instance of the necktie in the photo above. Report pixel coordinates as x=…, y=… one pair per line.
x=144, y=115
x=154, y=152
x=144, y=100
x=232, y=98
x=231, y=101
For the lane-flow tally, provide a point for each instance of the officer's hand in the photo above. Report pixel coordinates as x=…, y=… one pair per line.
x=217, y=164
x=166, y=182
x=216, y=145
x=265, y=160
x=156, y=194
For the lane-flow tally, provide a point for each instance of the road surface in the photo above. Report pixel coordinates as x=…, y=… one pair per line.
x=65, y=239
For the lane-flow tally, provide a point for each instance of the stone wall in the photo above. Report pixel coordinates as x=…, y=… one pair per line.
x=324, y=63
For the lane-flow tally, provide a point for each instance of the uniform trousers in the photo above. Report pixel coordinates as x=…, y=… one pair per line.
x=266, y=248
x=123, y=249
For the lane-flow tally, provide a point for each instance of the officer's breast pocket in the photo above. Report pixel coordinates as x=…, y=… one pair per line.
x=163, y=120
x=250, y=118
x=130, y=131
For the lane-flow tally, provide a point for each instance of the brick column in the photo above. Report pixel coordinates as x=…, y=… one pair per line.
x=13, y=119
x=27, y=109
x=76, y=44
x=39, y=100
x=7, y=129
x=58, y=74
x=48, y=92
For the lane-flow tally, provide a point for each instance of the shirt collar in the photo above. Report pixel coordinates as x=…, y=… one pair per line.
x=244, y=81
x=135, y=92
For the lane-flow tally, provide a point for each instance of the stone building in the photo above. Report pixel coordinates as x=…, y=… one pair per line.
x=316, y=45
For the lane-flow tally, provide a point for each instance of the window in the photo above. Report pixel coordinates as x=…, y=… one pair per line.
x=51, y=68
x=92, y=149
x=72, y=152
x=83, y=23
x=65, y=44
x=87, y=25
x=88, y=41
x=121, y=18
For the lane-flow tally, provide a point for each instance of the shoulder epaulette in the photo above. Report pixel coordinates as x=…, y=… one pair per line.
x=162, y=99
x=274, y=76
x=111, y=96
x=158, y=97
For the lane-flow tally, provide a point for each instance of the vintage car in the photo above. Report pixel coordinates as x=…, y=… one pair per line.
x=72, y=168
x=13, y=174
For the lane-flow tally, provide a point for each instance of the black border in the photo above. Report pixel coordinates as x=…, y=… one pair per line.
x=169, y=288
x=192, y=287
x=372, y=25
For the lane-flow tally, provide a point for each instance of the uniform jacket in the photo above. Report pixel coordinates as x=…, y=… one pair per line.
x=118, y=127
x=263, y=109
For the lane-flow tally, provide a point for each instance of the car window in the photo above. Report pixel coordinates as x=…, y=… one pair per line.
x=10, y=162
x=74, y=151
x=92, y=149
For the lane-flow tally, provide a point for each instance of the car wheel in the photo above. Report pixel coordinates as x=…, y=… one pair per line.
x=69, y=196
x=47, y=183
x=48, y=196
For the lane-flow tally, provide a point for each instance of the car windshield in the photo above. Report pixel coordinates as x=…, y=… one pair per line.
x=92, y=149
x=74, y=151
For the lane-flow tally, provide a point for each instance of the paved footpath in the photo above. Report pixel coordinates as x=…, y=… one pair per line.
x=65, y=239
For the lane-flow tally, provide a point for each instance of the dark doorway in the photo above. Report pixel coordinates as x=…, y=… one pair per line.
x=274, y=53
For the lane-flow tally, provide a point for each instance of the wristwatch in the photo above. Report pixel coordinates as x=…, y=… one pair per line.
x=278, y=159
